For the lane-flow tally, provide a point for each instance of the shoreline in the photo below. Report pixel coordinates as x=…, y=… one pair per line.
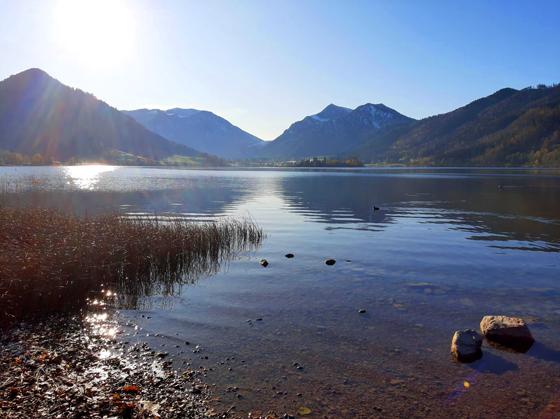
x=279, y=166
x=76, y=367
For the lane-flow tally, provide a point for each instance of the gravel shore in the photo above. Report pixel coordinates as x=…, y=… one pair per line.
x=74, y=368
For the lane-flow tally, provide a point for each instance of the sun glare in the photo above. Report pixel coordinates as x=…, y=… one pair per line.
x=98, y=33
x=86, y=176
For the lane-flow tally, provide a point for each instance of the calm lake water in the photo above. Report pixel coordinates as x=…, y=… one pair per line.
x=446, y=247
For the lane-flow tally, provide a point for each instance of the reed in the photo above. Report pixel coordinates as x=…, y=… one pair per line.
x=51, y=262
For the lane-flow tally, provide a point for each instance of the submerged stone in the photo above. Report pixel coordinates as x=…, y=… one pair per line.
x=512, y=332
x=466, y=345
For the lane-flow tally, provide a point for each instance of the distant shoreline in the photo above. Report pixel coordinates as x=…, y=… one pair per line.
x=365, y=167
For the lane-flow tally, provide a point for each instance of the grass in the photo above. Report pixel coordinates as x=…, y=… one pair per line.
x=51, y=262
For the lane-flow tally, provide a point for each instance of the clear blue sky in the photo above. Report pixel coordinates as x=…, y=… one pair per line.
x=265, y=64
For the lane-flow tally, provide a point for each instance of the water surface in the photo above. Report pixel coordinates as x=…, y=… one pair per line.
x=446, y=247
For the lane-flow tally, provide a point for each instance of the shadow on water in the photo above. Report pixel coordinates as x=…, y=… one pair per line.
x=493, y=364
x=544, y=353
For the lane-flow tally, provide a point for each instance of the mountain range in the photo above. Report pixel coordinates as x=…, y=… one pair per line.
x=201, y=130
x=510, y=127
x=334, y=131
x=41, y=116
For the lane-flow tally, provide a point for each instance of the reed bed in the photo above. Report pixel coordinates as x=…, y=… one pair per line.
x=8, y=185
x=52, y=262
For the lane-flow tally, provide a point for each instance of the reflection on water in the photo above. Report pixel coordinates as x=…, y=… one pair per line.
x=445, y=248
x=86, y=176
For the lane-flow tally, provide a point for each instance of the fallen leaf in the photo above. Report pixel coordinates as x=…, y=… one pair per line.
x=43, y=357
x=466, y=384
x=131, y=389
x=303, y=411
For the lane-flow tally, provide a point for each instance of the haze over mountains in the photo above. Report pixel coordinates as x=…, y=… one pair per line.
x=201, y=130
x=38, y=114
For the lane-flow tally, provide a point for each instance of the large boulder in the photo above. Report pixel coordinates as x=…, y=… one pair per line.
x=512, y=332
x=465, y=345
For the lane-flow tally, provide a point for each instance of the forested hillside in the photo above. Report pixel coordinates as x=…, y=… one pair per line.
x=511, y=127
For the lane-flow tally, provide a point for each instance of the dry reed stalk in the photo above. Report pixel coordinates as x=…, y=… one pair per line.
x=50, y=262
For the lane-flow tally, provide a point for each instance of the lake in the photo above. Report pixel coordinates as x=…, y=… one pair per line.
x=446, y=247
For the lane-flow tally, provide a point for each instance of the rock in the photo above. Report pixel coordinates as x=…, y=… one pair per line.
x=330, y=262
x=465, y=345
x=289, y=255
x=362, y=310
x=512, y=332
x=264, y=263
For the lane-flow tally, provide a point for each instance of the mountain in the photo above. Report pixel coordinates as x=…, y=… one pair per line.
x=201, y=130
x=40, y=115
x=45, y=120
x=509, y=127
x=334, y=131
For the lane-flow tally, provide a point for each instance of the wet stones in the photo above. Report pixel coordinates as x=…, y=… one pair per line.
x=196, y=390
x=61, y=372
x=264, y=263
x=297, y=366
x=466, y=345
x=500, y=331
x=511, y=332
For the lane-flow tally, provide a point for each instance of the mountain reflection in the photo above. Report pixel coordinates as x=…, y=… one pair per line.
x=524, y=210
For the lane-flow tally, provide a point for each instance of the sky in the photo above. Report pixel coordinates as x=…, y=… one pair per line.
x=266, y=64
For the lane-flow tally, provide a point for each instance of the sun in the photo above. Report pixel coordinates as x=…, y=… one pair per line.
x=98, y=33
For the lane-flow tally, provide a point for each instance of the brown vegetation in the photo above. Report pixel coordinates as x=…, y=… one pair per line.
x=50, y=262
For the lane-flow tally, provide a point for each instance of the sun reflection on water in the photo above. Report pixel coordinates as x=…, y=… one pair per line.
x=100, y=322
x=101, y=326
x=86, y=176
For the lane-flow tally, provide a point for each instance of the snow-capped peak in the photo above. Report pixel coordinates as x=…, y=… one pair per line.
x=181, y=113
